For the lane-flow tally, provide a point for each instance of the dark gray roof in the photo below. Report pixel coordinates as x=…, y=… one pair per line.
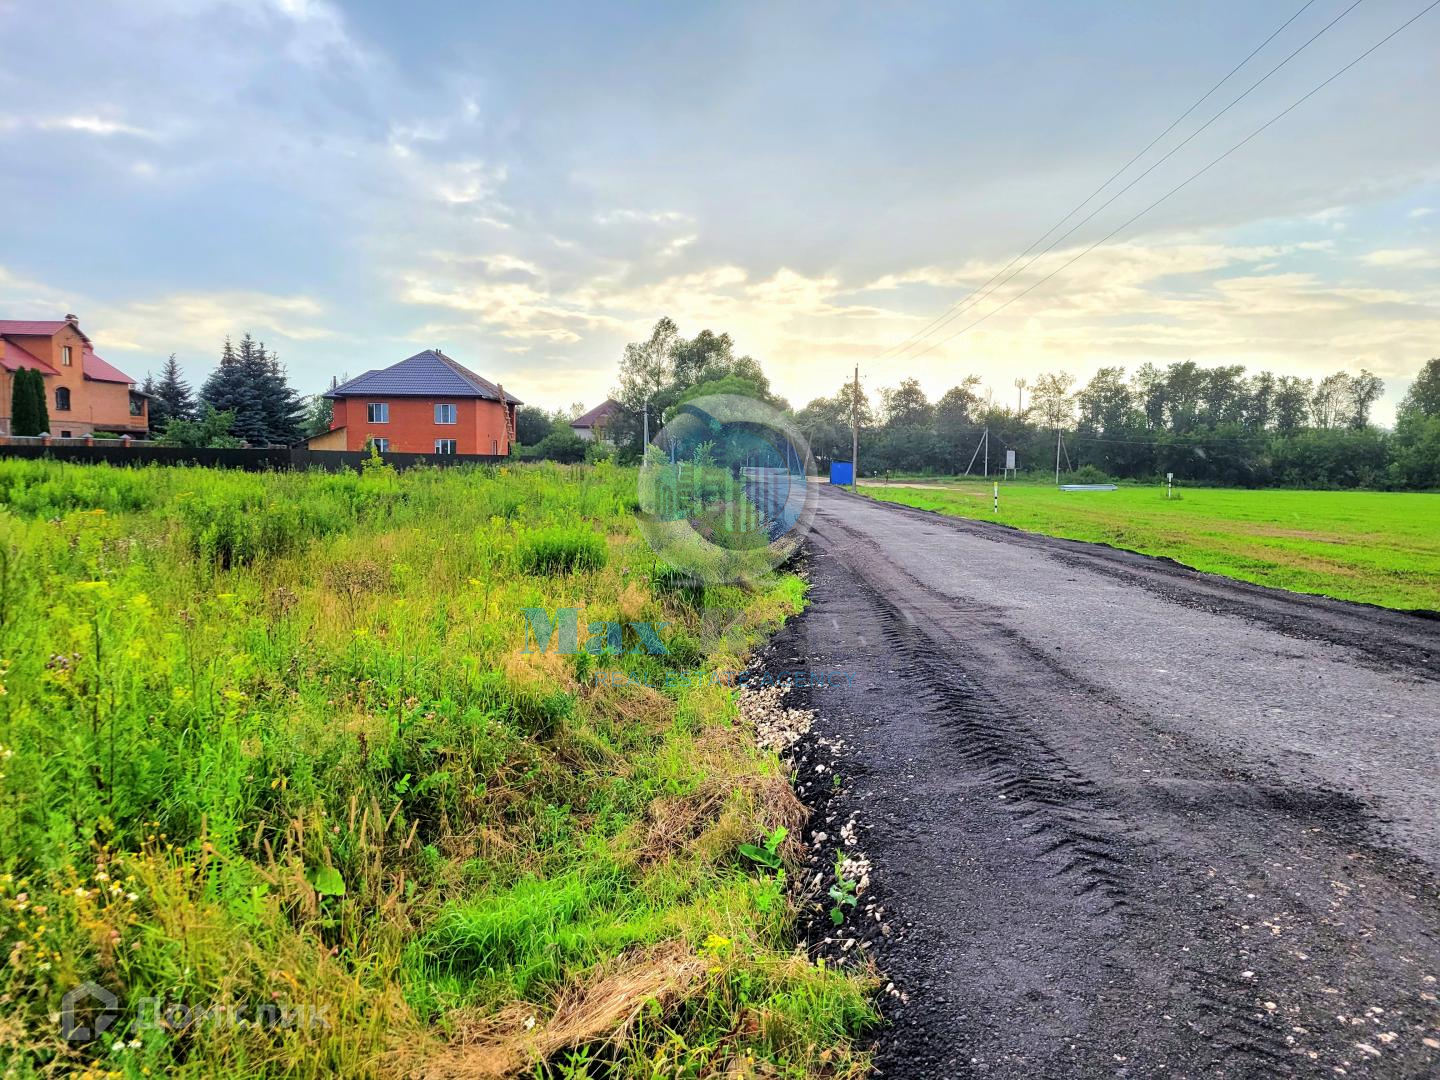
x=426, y=374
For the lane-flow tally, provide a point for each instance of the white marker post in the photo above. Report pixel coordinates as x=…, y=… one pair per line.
x=1169, y=483
x=997, y=498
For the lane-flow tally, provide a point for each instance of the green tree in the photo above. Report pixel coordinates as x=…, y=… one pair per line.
x=232, y=388
x=532, y=424
x=907, y=406
x=1365, y=390
x=1423, y=397
x=29, y=414
x=170, y=396
x=282, y=407
x=1051, y=400
x=319, y=414
x=1292, y=403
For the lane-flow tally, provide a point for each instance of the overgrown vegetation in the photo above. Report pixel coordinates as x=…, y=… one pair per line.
x=271, y=741
x=1376, y=547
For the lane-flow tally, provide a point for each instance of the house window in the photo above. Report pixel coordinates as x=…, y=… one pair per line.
x=379, y=445
x=137, y=406
x=445, y=414
x=445, y=446
x=65, y=355
x=495, y=447
x=62, y=399
x=378, y=412
x=65, y=434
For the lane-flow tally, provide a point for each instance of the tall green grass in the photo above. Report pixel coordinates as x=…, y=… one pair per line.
x=272, y=739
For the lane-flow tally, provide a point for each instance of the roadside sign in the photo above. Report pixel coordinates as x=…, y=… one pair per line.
x=1010, y=460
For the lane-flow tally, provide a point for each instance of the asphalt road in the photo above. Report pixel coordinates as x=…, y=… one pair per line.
x=1124, y=819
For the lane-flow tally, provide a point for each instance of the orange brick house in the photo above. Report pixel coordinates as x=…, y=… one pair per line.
x=83, y=393
x=427, y=404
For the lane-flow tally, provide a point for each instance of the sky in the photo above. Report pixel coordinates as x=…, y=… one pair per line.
x=531, y=186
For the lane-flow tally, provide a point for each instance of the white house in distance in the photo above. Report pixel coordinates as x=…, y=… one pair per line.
x=594, y=425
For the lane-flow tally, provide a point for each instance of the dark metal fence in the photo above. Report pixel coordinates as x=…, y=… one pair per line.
x=250, y=460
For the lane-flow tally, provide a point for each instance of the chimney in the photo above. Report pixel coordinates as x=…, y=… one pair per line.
x=71, y=319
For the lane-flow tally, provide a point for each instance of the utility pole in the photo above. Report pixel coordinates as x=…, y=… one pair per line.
x=1057, y=457
x=1020, y=385
x=855, y=434
x=987, y=453
x=645, y=446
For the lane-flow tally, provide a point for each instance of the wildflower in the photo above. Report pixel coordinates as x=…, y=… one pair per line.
x=101, y=875
x=81, y=892
x=132, y=897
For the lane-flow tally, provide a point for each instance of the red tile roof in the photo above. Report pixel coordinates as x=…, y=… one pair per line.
x=98, y=370
x=31, y=327
x=13, y=357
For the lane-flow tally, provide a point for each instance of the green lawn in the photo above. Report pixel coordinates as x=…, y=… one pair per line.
x=1376, y=547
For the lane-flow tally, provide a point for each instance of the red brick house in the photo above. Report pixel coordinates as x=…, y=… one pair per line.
x=83, y=393
x=427, y=404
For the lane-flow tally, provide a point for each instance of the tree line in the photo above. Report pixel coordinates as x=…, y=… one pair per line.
x=1214, y=424
x=246, y=400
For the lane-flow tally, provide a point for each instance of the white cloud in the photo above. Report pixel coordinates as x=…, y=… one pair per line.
x=199, y=322
x=1406, y=258
x=641, y=217
x=94, y=125
x=1420, y=212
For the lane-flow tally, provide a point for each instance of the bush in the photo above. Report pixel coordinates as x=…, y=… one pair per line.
x=560, y=550
x=1089, y=474
x=563, y=446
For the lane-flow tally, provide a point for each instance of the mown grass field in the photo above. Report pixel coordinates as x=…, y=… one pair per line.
x=272, y=740
x=1376, y=547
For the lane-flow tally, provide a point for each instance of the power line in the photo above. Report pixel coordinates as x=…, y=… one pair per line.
x=1184, y=183
x=990, y=290
x=941, y=318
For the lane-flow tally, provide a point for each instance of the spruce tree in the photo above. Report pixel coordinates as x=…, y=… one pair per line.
x=234, y=387
x=283, y=407
x=170, y=397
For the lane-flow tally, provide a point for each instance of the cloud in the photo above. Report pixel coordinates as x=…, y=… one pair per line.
x=1406, y=258
x=641, y=217
x=1420, y=212
x=198, y=323
x=94, y=125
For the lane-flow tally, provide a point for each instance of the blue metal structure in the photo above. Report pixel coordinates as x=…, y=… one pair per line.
x=842, y=472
